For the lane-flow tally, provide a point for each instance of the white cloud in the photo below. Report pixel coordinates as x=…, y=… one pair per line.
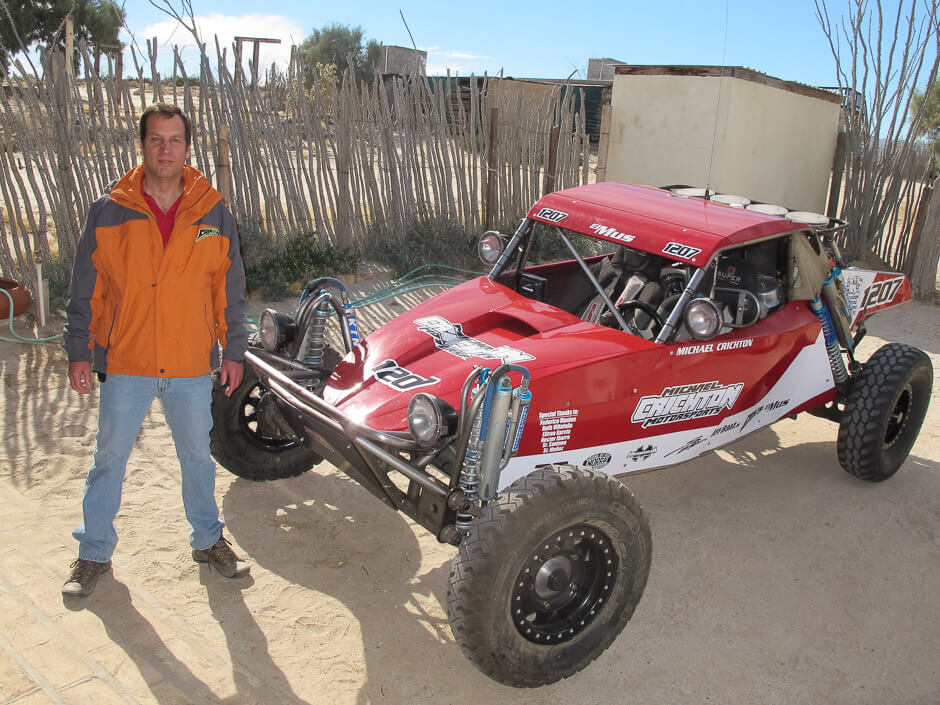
x=458, y=69
x=459, y=62
x=224, y=27
x=465, y=55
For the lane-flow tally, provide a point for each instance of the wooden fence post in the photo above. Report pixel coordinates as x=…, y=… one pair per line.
x=96, y=81
x=489, y=205
x=69, y=44
x=119, y=78
x=603, y=144
x=923, y=254
x=155, y=75
x=223, y=166
x=918, y=229
x=65, y=182
x=238, y=59
x=255, y=58
x=838, y=169
x=549, y=184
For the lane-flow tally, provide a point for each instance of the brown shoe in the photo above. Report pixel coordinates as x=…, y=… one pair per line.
x=84, y=577
x=223, y=558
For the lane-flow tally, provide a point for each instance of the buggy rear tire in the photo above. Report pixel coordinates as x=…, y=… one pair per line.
x=549, y=575
x=244, y=438
x=884, y=412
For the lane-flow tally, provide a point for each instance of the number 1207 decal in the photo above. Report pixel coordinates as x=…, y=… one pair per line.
x=882, y=292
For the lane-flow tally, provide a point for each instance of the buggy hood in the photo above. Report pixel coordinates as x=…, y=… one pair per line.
x=434, y=347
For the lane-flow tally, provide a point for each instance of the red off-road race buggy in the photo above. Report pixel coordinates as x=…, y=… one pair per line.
x=621, y=328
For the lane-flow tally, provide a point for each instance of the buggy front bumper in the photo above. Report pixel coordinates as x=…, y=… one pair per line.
x=364, y=453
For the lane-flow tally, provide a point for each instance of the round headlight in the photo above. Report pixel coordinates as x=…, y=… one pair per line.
x=276, y=329
x=490, y=247
x=703, y=318
x=430, y=419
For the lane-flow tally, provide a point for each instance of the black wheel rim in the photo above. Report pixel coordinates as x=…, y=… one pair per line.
x=252, y=420
x=563, y=584
x=898, y=417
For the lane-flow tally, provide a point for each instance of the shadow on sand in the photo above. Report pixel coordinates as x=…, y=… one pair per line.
x=171, y=681
x=333, y=537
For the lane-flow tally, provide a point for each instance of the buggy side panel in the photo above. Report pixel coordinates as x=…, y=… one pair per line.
x=868, y=291
x=704, y=396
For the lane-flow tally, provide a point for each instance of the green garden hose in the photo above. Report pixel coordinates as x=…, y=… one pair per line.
x=17, y=338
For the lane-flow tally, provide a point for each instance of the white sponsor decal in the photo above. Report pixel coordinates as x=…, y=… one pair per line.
x=556, y=428
x=450, y=338
x=612, y=233
x=552, y=215
x=598, y=461
x=391, y=374
x=729, y=275
x=688, y=446
x=853, y=289
x=685, y=402
x=714, y=347
x=679, y=250
x=765, y=408
x=725, y=428
x=642, y=453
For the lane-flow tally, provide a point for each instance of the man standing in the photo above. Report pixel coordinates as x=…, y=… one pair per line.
x=156, y=285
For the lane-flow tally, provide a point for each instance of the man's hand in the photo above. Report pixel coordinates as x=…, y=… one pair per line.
x=80, y=376
x=231, y=375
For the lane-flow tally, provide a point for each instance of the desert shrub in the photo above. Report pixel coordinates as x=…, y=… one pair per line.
x=428, y=241
x=58, y=272
x=302, y=258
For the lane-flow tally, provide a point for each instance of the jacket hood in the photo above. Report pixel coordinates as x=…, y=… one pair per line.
x=197, y=191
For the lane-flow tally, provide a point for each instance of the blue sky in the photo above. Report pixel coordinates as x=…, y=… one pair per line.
x=544, y=39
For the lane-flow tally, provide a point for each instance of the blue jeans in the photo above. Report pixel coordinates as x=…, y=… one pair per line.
x=123, y=405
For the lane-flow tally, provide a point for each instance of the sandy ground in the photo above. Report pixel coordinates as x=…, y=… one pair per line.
x=776, y=578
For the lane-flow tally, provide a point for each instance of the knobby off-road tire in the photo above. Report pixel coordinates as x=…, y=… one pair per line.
x=884, y=412
x=245, y=441
x=549, y=575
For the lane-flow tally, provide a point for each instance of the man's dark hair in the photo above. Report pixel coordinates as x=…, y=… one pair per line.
x=166, y=110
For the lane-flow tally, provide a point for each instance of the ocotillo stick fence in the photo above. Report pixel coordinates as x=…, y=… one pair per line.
x=341, y=161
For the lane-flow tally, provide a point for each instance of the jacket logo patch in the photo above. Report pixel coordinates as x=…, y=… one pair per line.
x=206, y=232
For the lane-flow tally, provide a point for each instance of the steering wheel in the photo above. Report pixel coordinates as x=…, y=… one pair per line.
x=646, y=308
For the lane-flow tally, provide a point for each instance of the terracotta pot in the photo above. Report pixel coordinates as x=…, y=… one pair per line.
x=20, y=294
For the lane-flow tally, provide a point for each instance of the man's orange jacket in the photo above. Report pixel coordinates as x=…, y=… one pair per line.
x=136, y=308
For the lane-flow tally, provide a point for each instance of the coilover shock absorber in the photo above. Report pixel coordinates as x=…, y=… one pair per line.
x=839, y=373
x=351, y=320
x=469, y=479
x=316, y=344
x=493, y=437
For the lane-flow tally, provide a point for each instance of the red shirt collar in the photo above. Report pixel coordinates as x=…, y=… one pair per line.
x=164, y=220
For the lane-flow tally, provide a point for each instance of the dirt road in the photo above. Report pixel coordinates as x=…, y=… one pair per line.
x=777, y=577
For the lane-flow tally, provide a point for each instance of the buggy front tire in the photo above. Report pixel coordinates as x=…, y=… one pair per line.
x=884, y=412
x=549, y=575
x=246, y=438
